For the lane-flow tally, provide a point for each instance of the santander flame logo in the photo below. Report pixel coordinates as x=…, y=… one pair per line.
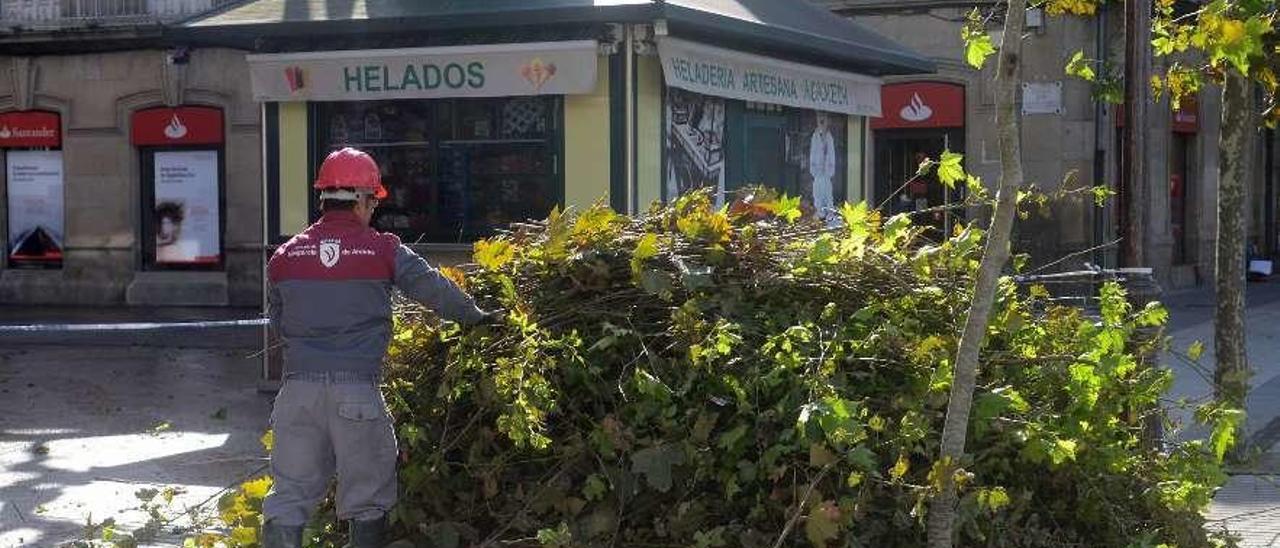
x=5, y=133
x=917, y=110
x=175, y=129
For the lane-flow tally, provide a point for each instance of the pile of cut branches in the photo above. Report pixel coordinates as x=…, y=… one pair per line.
x=745, y=377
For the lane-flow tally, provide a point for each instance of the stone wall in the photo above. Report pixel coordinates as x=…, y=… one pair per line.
x=96, y=95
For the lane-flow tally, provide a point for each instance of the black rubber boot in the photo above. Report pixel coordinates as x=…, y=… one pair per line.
x=281, y=536
x=366, y=533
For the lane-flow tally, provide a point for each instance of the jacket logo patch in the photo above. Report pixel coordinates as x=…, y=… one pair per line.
x=330, y=252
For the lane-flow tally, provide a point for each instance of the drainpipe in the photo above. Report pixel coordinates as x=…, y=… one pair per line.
x=629, y=77
x=1101, y=216
x=1269, y=206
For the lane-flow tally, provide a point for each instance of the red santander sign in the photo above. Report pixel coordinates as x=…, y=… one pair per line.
x=30, y=128
x=920, y=105
x=165, y=126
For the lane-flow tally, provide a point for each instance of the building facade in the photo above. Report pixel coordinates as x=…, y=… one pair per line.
x=484, y=115
x=131, y=167
x=1070, y=138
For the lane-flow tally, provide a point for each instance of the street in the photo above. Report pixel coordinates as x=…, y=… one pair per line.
x=88, y=421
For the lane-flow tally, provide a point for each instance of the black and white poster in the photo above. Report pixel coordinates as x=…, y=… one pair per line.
x=695, y=126
x=35, y=189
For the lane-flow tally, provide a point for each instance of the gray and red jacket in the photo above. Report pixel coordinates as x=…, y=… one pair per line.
x=329, y=294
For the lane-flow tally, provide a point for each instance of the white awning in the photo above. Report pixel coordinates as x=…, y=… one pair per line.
x=716, y=71
x=497, y=70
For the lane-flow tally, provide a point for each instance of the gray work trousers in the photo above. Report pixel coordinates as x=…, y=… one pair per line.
x=323, y=427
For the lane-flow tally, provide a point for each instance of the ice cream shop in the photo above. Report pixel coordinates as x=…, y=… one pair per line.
x=487, y=112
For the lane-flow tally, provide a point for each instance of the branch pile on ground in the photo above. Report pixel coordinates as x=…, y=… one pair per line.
x=744, y=377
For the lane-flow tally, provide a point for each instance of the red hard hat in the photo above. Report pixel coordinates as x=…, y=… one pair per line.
x=351, y=168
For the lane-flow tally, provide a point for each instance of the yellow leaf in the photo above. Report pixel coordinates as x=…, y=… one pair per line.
x=493, y=254
x=256, y=489
x=244, y=536
x=1232, y=31
x=454, y=275
x=900, y=468
x=268, y=440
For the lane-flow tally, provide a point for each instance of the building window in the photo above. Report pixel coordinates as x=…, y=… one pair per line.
x=30, y=151
x=455, y=169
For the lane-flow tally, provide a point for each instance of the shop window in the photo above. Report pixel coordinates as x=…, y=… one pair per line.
x=729, y=144
x=181, y=157
x=456, y=169
x=30, y=145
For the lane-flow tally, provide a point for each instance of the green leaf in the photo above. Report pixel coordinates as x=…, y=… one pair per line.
x=1195, y=351
x=1153, y=315
x=787, y=208
x=822, y=525
x=1081, y=67
x=655, y=464
x=977, y=47
x=595, y=487
x=1062, y=450
x=1101, y=194
x=993, y=499
x=820, y=456
x=950, y=169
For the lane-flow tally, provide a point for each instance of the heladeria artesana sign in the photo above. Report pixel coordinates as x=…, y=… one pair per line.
x=499, y=70
x=725, y=73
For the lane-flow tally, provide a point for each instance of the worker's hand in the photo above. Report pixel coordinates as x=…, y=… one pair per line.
x=492, y=318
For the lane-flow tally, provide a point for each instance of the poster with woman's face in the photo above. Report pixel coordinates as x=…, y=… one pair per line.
x=187, y=216
x=822, y=158
x=695, y=143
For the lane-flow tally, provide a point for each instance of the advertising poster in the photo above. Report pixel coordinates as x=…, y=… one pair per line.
x=187, y=216
x=35, y=206
x=821, y=157
x=695, y=143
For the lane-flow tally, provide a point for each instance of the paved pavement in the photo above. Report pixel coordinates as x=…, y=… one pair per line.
x=1249, y=505
x=88, y=420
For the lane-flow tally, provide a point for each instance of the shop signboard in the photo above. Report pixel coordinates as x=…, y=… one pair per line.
x=725, y=73
x=496, y=70
x=914, y=105
x=187, y=214
x=187, y=125
x=35, y=205
x=30, y=129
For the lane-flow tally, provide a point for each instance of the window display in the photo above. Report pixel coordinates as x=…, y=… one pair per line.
x=35, y=207
x=456, y=169
x=801, y=152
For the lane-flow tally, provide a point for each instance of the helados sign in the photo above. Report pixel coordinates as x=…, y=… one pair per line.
x=494, y=70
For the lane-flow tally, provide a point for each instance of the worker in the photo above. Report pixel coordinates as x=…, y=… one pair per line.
x=329, y=298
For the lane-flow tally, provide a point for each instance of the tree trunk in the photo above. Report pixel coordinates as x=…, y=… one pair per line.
x=941, y=518
x=1231, y=374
